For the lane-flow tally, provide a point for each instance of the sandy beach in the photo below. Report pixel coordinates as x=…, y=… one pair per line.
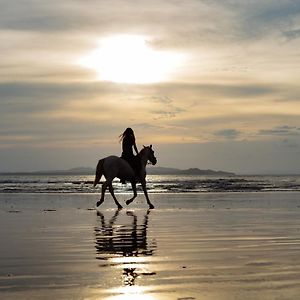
x=191, y=246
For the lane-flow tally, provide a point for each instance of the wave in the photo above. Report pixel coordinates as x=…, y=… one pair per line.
x=155, y=184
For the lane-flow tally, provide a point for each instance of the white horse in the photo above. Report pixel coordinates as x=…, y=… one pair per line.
x=114, y=166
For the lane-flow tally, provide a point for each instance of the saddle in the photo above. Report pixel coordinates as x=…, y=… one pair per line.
x=135, y=164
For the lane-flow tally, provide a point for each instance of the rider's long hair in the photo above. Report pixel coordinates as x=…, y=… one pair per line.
x=128, y=133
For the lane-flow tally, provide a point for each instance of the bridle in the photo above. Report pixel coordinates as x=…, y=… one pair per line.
x=153, y=157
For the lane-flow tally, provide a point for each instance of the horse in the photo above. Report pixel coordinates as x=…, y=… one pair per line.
x=114, y=166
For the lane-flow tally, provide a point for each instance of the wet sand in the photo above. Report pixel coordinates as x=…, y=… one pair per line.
x=191, y=246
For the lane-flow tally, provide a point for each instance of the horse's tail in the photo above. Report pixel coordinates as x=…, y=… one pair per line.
x=99, y=172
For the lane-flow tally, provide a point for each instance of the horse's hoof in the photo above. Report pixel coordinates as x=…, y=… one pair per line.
x=98, y=203
x=128, y=202
x=151, y=206
x=120, y=206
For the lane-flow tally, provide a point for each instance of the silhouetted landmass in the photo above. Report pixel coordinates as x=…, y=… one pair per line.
x=73, y=171
x=191, y=171
x=150, y=171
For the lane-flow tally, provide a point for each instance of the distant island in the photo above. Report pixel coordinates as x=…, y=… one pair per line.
x=190, y=171
x=150, y=171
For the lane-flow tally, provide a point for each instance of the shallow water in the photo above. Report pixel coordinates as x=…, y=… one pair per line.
x=192, y=246
x=156, y=184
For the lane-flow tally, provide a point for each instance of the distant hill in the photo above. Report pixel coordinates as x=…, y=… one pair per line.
x=73, y=171
x=150, y=171
x=191, y=171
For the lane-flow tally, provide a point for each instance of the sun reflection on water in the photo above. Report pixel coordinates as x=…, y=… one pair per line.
x=125, y=247
x=130, y=293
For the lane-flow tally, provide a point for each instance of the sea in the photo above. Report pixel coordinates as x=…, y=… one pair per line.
x=27, y=183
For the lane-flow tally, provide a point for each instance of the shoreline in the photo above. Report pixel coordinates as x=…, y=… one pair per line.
x=154, y=192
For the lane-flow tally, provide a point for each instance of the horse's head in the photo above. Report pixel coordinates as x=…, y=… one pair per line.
x=149, y=154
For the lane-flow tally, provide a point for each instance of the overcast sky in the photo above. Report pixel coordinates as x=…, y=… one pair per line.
x=233, y=102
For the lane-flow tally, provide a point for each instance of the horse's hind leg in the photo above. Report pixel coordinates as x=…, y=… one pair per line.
x=104, y=186
x=133, y=184
x=111, y=189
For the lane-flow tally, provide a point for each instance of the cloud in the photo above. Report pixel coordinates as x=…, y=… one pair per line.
x=98, y=15
x=161, y=16
x=282, y=11
x=170, y=104
x=49, y=90
x=228, y=133
x=236, y=90
x=147, y=126
x=284, y=130
x=292, y=34
x=161, y=99
x=172, y=112
x=51, y=113
x=51, y=34
x=57, y=16
x=167, y=110
x=238, y=82
x=257, y=19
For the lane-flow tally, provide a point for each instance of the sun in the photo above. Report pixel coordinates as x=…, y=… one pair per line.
x=130, y=59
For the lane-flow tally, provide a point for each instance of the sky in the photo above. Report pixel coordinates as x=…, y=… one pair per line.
x=212, y=84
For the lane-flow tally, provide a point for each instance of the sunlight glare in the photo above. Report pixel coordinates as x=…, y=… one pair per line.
x=131, y=293
x=129, y=59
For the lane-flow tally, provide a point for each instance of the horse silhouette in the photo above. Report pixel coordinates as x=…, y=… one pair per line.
x=114, y=166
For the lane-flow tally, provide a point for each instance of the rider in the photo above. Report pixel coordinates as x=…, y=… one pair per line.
x=128, y=144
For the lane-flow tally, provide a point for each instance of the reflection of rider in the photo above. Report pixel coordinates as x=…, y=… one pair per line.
x=128, y=144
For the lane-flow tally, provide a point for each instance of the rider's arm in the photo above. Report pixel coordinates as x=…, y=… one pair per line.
x=135, y=148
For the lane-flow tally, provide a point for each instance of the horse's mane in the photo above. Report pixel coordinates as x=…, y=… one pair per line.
x=143, y=149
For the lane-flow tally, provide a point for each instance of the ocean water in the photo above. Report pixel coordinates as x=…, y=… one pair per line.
x=155, y=184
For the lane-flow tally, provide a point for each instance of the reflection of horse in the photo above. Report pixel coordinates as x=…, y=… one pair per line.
x=123, y=241
x=113, y=166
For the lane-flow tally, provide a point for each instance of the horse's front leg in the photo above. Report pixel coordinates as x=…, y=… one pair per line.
x=133, y=184
x=146, y=194
x=111, y=189
x=104, y=186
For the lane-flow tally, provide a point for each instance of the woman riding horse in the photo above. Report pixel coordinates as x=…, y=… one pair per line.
x=128, y=144
x=113, y=166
